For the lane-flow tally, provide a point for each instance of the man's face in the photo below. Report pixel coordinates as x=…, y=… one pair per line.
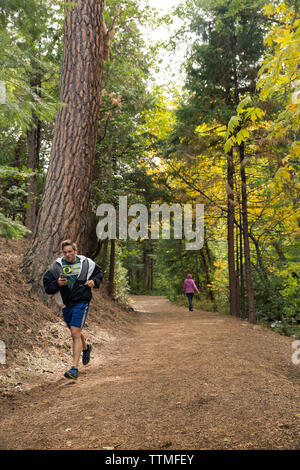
x=69, y=254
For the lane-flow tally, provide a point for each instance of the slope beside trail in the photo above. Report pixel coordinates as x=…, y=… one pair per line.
x=177, y=380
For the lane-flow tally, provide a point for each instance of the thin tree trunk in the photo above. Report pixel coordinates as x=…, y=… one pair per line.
x=242, y=280
x=111, y=277
x=33, y=145
x=64, y=207
x=249, y=288
x=207, y=275
x=233, y=296
x=146, y=266
x=238, y=269
x=279, y=250
x=152, y=273
x=18, y=151
x=104, y=256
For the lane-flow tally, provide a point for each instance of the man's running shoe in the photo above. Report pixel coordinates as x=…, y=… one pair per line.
x=86, y=355
x=72, y=373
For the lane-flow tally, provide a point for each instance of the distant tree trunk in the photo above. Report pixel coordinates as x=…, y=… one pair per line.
x=151, y=268
x=33, y=146
x=111, y=276
x=18, y=151
x=238, y=265
x=33, y=159
x=91, y=243
x=104, y=255
x=263, y=272
x=242, y=281
x=278, y=249
x=148, y=265
x=233, y=295
x=64, y=207
x=249, y=288
x=205, y=265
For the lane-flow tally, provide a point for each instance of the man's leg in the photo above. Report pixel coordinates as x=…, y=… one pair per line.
x=77, y=344
x=84, y=343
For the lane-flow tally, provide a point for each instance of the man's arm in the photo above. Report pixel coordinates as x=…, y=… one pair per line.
x=96, y=276
x=50, y=283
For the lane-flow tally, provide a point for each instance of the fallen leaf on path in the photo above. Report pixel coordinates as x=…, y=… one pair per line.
x=108, y=448
x=166, y=444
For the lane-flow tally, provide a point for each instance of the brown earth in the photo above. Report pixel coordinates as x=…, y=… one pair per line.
x=161, y=377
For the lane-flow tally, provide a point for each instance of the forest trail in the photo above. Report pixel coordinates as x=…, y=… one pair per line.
x=179, y=380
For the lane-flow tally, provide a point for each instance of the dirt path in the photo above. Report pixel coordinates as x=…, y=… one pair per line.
x=179, y=380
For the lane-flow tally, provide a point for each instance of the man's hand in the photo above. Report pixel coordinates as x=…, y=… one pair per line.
x=62, y=281
x=90, y=283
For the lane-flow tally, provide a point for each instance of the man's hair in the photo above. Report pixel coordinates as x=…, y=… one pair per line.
x=67, y=243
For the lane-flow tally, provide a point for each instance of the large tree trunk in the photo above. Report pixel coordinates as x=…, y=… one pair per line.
x=64, y=207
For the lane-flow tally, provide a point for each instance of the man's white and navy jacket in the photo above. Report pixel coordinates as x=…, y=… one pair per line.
x=89, y=270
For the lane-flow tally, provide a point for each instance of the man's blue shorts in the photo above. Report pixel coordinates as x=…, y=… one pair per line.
x=76, y=314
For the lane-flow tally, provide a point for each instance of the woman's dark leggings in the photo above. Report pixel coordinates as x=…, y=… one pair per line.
x=190, y=299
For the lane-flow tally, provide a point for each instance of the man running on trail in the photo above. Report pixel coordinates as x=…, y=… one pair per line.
x=71, y=279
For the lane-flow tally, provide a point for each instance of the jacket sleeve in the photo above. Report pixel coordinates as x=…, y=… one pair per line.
x=195, y=287
x=96, y=276
x=50, y=283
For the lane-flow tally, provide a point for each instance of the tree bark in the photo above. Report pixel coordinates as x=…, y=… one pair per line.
x=242, y=282
x=33, y=146
x=104, y=256
x=111, y=277
x=147, y=266
x=19, y=150
x=233, y=294
x=206, y=267
x=249, y=288
x=64, y=207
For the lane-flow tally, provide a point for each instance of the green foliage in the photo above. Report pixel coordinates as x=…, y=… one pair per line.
x=13, y=194
x=10, y=229
x=121, y=277
x=232, y=33
x=28, y=62
x=124, y=99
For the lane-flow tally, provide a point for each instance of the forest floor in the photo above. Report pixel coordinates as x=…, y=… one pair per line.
x=168, y=379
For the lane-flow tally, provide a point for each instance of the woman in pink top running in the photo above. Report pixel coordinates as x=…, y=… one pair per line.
x=189, y=288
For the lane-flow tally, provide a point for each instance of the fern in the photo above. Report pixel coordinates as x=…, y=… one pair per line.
x=10, y=229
